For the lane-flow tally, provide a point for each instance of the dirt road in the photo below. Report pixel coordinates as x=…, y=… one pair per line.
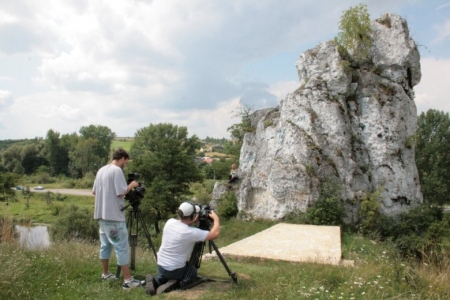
x=66, y=191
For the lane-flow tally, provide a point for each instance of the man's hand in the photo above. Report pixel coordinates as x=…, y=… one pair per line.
x=215, y=230
x=133, y=184
x=213, y=216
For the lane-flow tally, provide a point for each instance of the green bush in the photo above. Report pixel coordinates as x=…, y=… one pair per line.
x=328, y=210
x=355, y=31
x=75, y=223
x=369, y=214
x=227, y=206
x=86, y=182
x=202, y=191
x=296, y=217
x=422, y=233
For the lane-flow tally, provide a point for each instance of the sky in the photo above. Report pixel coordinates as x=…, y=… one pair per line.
x=126, y=64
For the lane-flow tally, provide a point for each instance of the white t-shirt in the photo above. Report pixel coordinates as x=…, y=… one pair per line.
x=177, y=243
x=109, y=184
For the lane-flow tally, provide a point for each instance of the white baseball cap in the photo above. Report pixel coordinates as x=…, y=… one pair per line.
x=187, y=209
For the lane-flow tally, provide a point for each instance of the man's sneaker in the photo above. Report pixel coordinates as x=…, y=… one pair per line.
x=109, y=276
x=132, y=283
x=167, y=287
x=150, y=285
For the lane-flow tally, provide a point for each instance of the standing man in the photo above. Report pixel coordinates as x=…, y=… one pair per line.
x=110, y=188
x=178, y=241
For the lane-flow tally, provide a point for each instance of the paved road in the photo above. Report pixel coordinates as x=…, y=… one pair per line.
x=66, y=191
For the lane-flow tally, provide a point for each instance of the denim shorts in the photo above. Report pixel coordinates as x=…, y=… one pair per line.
x=114, y=234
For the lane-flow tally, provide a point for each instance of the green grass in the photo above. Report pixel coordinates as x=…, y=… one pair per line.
x=36, y=209
x=125, y=144
x=71, y=270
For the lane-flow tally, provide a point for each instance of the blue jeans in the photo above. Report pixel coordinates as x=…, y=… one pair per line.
x=114, y=234
x=164, y=275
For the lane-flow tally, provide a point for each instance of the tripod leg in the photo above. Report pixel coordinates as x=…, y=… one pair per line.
x=231, y=274
x=193, y=265
x=147, y=233
x=132, y=239
x=133, y=244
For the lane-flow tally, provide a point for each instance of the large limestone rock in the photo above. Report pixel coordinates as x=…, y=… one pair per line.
x=350, y=121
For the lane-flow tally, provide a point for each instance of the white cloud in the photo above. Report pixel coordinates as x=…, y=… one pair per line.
x=125, y=64
x=433, y=90
x=281, y=89
x=5, y=96
x=443, y=31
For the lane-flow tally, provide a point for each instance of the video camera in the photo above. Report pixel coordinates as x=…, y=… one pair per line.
x=136, y=194
x=204, y=218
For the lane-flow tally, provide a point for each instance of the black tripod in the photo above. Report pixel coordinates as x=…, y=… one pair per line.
x=196, y=258
x=134, y=218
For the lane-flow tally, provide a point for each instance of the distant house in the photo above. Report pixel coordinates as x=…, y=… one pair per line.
x=207, y=159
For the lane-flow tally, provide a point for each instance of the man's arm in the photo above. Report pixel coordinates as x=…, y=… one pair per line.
x=132, y=185
x=215, y=230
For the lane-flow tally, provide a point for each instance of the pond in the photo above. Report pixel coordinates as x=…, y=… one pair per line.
x=33, y=237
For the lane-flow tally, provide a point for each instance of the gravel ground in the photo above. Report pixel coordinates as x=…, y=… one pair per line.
x=66, y=191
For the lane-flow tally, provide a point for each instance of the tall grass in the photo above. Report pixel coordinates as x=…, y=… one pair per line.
x=71, y=270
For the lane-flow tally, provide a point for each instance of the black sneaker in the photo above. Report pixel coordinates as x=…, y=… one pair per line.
x=167, y=287
x=150, y=285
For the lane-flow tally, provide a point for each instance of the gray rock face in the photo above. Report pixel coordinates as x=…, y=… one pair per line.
x=353, y=122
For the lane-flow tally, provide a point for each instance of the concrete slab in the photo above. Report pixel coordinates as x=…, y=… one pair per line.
x=290, y=242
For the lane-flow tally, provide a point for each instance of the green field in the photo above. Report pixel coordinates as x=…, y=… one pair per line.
x=38, y=210
x=71, y=270
x=122, y=143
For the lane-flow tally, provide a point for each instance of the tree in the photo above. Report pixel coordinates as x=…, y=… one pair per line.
x=221, y=168
x=355, y=31
x=104, y=136
x=57, y=154
x=165, y=159
x=238, y=131
x=33, y=156
x=6, y=182
x=84, y=157
x=433, y=156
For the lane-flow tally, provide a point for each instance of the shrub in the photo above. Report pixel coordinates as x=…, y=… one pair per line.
x=227, y=206
x=422, y=233
x=369, y=214
x=328, y=210
x=295, y=217
x=355, y=31
x=75, y=223
x=86, y=182
x=202, y=191
x=6, y=230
